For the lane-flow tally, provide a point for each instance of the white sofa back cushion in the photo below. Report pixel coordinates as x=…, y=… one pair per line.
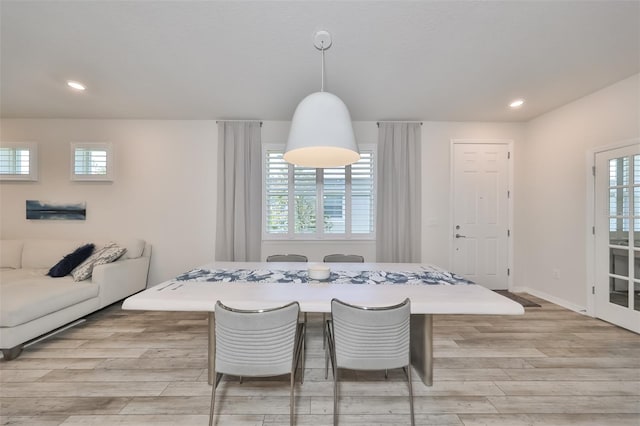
x=46, y=253
x=134, y=247
x=11, y=254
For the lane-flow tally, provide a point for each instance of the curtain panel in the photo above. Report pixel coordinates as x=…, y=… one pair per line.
x=398, y=213
x=238, y=226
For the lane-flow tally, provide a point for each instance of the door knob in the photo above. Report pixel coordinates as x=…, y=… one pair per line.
x=460, y=236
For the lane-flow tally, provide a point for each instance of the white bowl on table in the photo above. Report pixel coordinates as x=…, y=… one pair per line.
x=319, y=272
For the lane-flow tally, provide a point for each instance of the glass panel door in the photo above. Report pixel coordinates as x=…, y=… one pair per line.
x=617, y=236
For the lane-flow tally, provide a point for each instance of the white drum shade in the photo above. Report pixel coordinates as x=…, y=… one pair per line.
x=321, y=133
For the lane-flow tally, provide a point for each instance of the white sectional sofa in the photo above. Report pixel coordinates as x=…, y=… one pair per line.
x=33, y=304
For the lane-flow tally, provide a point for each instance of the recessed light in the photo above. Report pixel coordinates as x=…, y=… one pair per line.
x=75, y=85
x=517, y=103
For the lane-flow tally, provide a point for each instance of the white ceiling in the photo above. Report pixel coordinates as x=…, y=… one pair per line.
x=430, y=60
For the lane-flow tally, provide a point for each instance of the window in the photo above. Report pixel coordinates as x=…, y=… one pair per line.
x=91, y=161
x=18, y=161
x=620, y=194
x=331, y=203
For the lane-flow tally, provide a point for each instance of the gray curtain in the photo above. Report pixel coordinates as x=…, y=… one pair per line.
x=398, y=223
x=238, y=227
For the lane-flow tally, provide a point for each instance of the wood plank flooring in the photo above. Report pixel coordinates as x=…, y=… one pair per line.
x=548, y=367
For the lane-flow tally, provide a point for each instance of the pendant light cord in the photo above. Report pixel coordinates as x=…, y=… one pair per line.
x=322, y=86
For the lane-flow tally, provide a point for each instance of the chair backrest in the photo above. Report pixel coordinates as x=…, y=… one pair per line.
x=371, y=338
x=255, y=343
x=344, y=258
x=287, y=258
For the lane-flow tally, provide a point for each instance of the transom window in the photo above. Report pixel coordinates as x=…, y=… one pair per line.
x=309, y=203
x=91, y=161
x=18, y=161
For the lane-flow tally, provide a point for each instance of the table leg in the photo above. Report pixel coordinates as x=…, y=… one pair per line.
x=211, y=366
x=422, y=346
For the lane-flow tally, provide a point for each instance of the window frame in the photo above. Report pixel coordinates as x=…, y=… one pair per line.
x=92, y=146
x=319, y=234
x=32, y=147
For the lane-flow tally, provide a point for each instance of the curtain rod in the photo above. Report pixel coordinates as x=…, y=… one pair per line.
x=237, y=121
x=385, y=121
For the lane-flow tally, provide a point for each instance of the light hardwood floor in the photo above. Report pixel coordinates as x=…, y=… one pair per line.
x=548, y=367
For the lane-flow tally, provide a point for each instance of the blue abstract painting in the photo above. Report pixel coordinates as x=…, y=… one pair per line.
x=45, y=210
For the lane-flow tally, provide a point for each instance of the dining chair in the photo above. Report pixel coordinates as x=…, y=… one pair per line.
x=343, y=258
x=287, y=258
x=293, y=258
x=338, y=258
x=369, y=338
x=258, y=343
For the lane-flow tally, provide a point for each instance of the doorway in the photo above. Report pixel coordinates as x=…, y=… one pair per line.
x=617, y=236
x=481, y=195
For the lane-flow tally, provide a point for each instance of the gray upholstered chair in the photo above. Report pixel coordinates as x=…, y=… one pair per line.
x=343, y=258
x=287, y=258
x=258, y=343
x=338, y=258
x=292, y=258
x=364, y=338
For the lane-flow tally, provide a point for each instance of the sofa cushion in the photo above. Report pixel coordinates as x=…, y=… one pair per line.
x=11, y=253
x=106, y=254
x=9, y=275
x=30, y=295
x=134, y=246
x=70, y=261
x=44, y=253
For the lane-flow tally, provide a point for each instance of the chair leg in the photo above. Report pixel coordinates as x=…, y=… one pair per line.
x=335, y=396
x=305, y=327
x=324, y=331
x=327, y=349
x=291, y=397
x=326, y=363
x=302, y=350
x=298, y=360
x=407, y=370
x=216, y=380
x=334, y=369
x=325, y=346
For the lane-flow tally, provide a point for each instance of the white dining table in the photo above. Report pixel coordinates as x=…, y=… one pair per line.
x=315, y=296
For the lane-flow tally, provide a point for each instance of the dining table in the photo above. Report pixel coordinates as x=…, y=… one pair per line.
x=260, y=285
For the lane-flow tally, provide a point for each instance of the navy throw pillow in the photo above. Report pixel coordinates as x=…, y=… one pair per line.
x=70, y=261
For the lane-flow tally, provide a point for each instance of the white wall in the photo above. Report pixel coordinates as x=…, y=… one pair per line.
x=552, y=214
x=164, y=189
x=437, y=229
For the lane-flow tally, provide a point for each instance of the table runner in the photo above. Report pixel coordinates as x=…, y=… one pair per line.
x=428, y=276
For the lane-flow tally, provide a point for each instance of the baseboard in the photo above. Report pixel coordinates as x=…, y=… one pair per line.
x=553, y=299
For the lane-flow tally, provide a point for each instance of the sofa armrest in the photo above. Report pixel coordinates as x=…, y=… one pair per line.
x=121, y=278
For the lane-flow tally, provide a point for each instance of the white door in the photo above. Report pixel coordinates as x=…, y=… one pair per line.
x=481, y=213
x=617, y=236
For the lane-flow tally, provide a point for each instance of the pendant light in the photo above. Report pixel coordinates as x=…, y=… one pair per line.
x=321, y=133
